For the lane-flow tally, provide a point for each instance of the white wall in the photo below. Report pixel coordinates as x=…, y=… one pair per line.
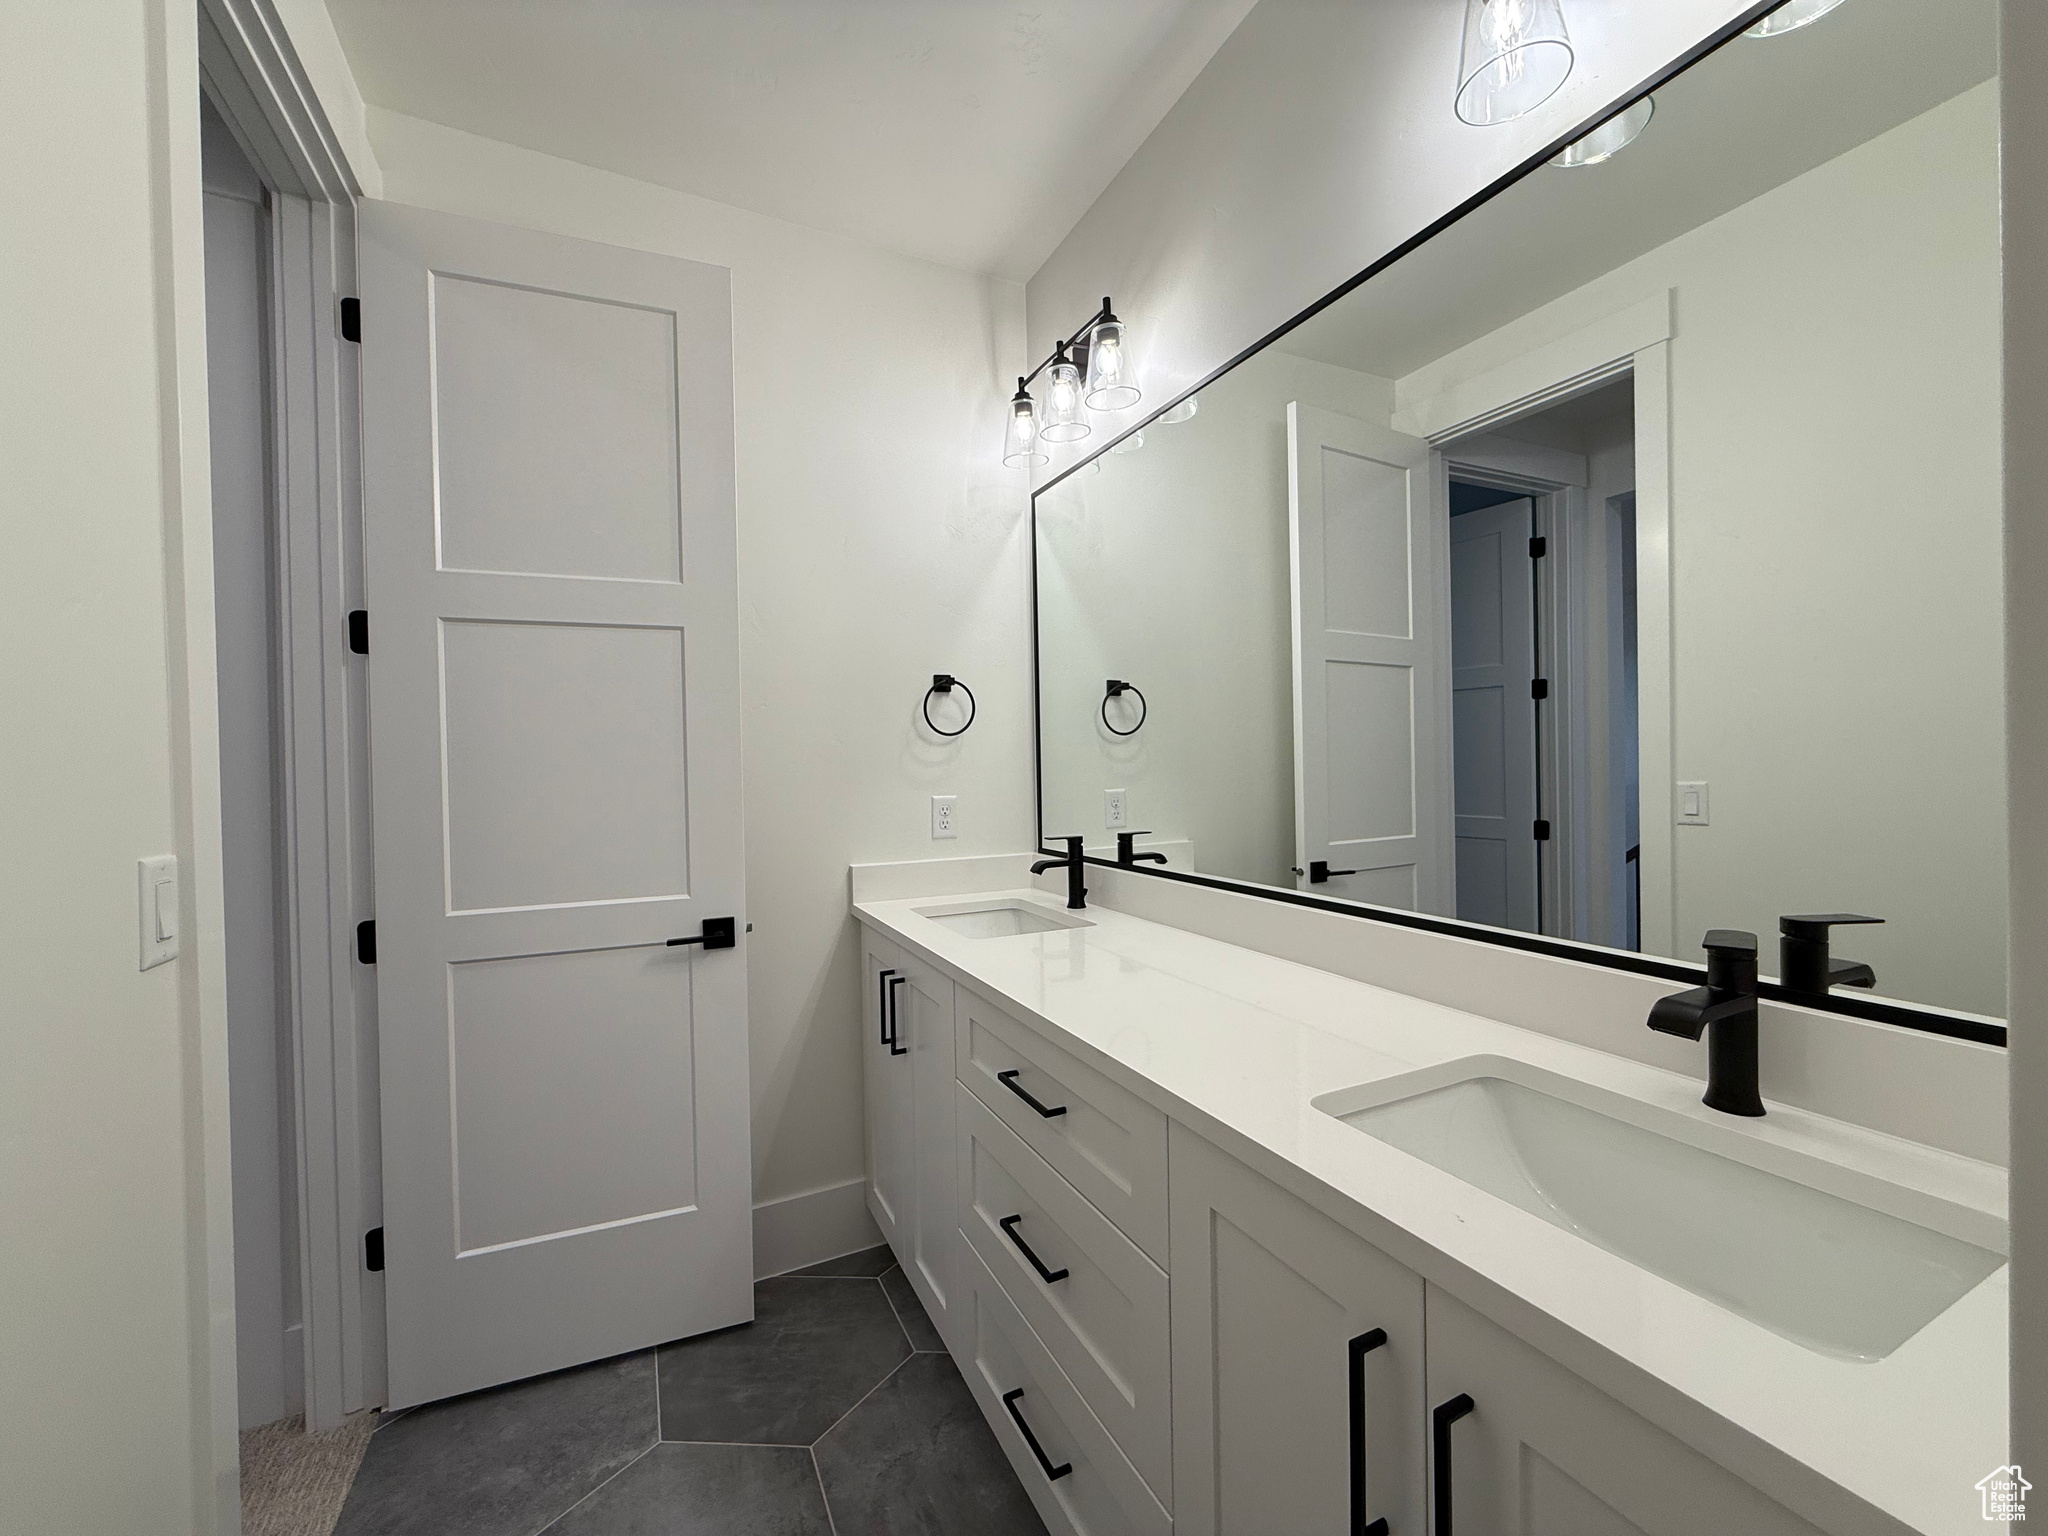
x=1319, y=137
x=2023, y=43
x=880, y=541
x=115, y=1318
x=1170, y=567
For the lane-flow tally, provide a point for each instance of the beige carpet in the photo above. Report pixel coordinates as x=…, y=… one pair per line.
x=293, y=1483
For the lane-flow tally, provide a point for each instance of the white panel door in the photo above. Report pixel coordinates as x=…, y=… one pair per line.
x=1372, y=799
x=1297, y=1363
x=555, y=780
x=1493, y=713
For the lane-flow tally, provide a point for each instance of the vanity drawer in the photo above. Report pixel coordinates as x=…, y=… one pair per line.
x=1107, y=1142
x=1019, y=1387
x=1103, y=1314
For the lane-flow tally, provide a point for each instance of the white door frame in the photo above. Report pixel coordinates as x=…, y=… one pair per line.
x=1478, y=387
x=248, y=69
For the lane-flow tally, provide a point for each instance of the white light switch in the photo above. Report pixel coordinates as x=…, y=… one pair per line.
x=1692, y=804
x=156, y=899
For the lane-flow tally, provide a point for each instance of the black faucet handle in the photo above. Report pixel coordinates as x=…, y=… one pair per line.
x=1729, y=941
x=1073, y=847
x=1815, y=925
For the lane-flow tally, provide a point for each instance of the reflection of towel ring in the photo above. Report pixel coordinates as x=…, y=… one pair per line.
x=943, y=682
x=1115, y=688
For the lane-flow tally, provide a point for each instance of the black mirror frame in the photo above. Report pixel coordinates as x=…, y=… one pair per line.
x=1933, y=1021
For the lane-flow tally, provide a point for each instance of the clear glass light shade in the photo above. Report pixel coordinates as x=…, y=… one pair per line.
x=1610, y=138
x=1517, y=53
x=1130, y=444
x=1791, y=17
x=1185, y=411
x=1060, y=420
x=1112, y=385
x=1021, y=449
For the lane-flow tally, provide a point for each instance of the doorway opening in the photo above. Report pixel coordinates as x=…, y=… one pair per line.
x=1545, y=728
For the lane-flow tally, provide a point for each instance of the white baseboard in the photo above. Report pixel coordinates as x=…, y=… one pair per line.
x=811, y=1228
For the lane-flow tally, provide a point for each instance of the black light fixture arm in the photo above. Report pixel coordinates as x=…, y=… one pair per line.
x=1102, y=314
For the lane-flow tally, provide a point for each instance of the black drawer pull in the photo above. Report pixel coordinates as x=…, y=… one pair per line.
x=1052, y=1473
x=1442, y=1417
x=895, y=1037
x=1009, y=1226
x=1360, y=1347
x=882, y=1003
x=1009, y=1080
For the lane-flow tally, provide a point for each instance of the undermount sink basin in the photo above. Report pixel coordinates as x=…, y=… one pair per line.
x=1000, y=919
x=1830, y=1258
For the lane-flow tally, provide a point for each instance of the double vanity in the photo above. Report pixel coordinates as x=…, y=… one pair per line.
x=1227, y=1243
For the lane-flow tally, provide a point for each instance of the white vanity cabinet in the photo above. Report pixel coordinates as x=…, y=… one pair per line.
x=912, y=1155
x=1540, y=1452
x=1297, y=1356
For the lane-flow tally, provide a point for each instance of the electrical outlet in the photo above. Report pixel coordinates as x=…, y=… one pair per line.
x=945, y=811
x=1116, y=808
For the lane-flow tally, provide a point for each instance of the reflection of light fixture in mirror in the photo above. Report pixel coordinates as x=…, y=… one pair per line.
x=1185, y=411
x=1130, y=444
x=1610, y=138
x=1111, y=386
x=1791, y=16
x=1062, y=421
x=1517, y=53
x=1020, y=442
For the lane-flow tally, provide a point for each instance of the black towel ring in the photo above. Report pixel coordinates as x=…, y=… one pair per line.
x=943, y=682
x=1116, y=688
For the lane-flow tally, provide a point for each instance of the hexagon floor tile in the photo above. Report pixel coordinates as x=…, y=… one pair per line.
x=814, y=1349
x=835, y=1411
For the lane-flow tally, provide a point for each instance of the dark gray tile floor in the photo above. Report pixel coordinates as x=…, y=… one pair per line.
x=836, y=1412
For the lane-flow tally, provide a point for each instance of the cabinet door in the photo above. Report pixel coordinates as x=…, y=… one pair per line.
x=890, y=1143
x=924, y=1028
x=1540, y=1452
x=1274, y=1430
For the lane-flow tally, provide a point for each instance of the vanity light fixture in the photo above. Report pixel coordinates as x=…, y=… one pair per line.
x=1089, y=371
x=1020, y=443
x=1185, y=411
x=1130, y=444
x=1791, y=16
x=1610, y=138
x=1516, y=54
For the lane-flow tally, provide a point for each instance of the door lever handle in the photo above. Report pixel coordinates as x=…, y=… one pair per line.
x=718, y=934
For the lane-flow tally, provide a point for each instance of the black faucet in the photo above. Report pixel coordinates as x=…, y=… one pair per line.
x=1803, y=963
x=1076, y=891
x=1127, y=850
x=1725, y=1011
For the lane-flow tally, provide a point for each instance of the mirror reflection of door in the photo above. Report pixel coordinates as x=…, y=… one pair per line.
x=1493, y=710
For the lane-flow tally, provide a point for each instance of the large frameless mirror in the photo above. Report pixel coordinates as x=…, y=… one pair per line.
x=1621, y=562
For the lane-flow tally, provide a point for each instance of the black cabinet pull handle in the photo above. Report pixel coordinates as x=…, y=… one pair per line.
x=1360, y=1347
x=894, y=1048
x=1052, y=1473
x=1442, y=1417
x=1009, y=1226
x=1009, y=1080
x=882, y=1004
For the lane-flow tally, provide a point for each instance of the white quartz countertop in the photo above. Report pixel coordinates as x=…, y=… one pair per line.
x=1235, y=1044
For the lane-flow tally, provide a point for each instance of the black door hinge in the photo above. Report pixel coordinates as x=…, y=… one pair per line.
x=1538, y=547
x=1542, y=830
x=1539, y=688
x=373, y=1250
x=359, y=631
x=366, y=941
x=352, y=319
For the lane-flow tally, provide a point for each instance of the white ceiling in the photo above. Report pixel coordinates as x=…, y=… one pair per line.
x=970, y=132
